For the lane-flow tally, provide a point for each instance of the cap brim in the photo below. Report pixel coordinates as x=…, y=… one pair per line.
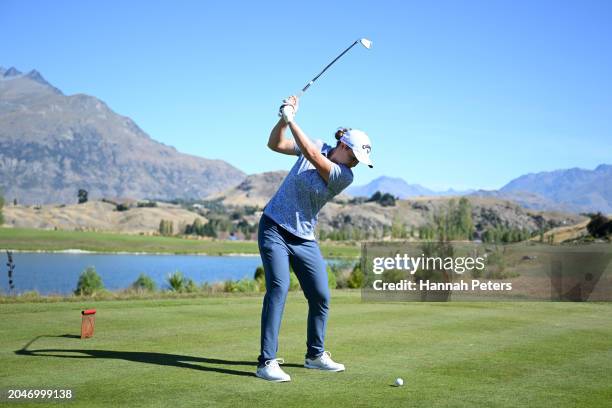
x=363, y=158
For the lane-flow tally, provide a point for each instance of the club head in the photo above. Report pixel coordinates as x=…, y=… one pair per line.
x=366, y=43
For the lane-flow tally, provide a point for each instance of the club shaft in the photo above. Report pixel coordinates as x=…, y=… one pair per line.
x=328, y=65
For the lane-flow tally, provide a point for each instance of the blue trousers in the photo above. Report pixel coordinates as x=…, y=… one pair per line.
x=279, y=248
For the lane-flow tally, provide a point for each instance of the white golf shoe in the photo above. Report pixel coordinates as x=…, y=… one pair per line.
x=271, y=371
x=323, y=362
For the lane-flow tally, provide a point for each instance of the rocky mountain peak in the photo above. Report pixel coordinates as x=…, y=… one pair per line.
x=11, y=72
x=52, y=145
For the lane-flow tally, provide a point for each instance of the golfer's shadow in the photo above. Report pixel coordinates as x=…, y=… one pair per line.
x=163, y=359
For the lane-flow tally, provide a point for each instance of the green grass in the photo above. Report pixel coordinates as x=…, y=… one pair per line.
x=201, y=352
x=48, y=240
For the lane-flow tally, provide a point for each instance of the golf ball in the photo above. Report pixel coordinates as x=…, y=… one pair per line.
x=399, y=382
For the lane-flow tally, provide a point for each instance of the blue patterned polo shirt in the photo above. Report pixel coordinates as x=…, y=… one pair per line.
x=296, y=204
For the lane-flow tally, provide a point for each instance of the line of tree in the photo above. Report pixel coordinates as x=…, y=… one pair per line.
x=201, y=229
x=505, y=235
x=216, y=225
x=347, y=232
x=384, y=199
x=455, y=223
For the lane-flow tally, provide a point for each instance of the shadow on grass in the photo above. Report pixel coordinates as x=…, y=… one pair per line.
x=163, y=359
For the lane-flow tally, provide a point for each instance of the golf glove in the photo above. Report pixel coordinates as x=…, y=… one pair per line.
x=287, y=112
x=288, y=109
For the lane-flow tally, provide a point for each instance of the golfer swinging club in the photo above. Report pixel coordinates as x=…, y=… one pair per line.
x=286, y=235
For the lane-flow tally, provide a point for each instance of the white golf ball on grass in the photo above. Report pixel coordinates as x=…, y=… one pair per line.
x=399, y=382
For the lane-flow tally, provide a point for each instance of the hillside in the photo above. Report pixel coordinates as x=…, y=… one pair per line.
x=532, y=201
x=414, y=213
x=255, y=190
x=52, y=145
x=97, y=216
x=370, y=218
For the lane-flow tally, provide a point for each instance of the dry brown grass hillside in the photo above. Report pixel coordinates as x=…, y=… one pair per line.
x=98, y=216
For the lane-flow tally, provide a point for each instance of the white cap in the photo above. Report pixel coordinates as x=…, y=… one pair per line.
x=360, y=144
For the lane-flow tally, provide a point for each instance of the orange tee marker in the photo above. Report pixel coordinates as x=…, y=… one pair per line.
x=87, y=323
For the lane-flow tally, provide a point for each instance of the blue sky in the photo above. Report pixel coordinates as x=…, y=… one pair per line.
x=462, y=94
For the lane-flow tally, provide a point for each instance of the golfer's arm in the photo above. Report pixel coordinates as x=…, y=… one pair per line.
x=311, y=152
x=277, y=140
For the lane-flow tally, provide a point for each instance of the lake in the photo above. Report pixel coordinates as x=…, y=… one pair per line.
x=58, y=273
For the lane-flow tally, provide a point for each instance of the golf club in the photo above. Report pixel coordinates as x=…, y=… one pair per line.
x=363, y=41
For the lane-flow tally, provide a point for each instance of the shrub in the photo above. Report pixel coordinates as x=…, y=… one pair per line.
x=89, y=282
x=496, y=266
x=30, y=294
x=342, y=271
x=190, y=286
x=393, y=275
x=82, y=196
x=259, y=273
x=176, y=281
x=146, y=204
x=122, y=207
x=260, y=278
x=259, y=281
x=355, y=280
x=144, y=283
x=242, y=285
x=331, y=278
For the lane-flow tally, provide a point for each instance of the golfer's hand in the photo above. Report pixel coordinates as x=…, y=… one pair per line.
x=289, y=108
x=293, y=101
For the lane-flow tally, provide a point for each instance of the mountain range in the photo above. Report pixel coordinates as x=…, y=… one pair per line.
x=399, y=188
x=52, y=145
x=571, y=190
x=580, y=190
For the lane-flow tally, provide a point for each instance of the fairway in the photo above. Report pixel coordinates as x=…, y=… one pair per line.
x=201, y=352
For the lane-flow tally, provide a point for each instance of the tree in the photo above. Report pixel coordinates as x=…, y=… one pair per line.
x=356, y=278
x=599, y=226
x=166, y=227
x=89, y=282
x=1, y=205
x=375, y=197
x=82, y=196
x=385, y=200
x=195, y=228
x=144, y=283
x=209, y=229
x=398, y=229
x=464, y=219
